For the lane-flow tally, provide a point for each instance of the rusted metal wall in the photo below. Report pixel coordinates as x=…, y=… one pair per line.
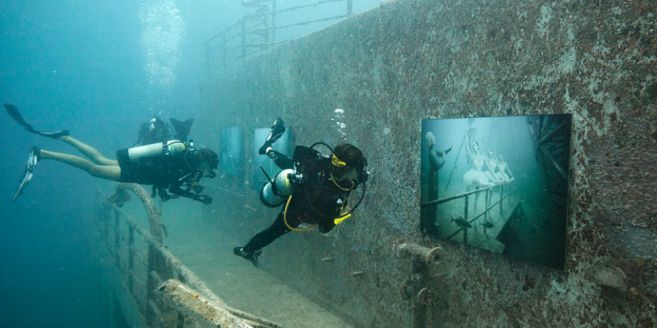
x=414, y=59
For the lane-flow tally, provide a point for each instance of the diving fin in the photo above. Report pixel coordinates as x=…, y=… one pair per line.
x=12, y=110
x=27, y=177
x=252, y=257
x=32, y=161
x=277, y=130
x=182, y=128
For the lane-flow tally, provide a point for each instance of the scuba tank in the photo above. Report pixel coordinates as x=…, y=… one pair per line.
x=275, y=192
x=165, y=148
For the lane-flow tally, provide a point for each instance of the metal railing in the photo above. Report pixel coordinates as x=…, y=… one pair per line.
x=258, y=31
x=489, y=206
x=165, y=292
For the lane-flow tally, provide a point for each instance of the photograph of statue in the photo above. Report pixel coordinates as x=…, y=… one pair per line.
x=498, y=183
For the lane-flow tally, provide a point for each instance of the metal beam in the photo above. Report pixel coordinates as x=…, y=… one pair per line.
x=192, y=303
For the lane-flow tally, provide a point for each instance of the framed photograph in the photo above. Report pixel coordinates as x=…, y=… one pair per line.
x=498, y=183
x=231, y=152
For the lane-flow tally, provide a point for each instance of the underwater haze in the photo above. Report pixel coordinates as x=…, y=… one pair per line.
x=98, y=69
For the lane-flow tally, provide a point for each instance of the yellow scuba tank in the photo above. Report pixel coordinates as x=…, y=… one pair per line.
x=165, y=148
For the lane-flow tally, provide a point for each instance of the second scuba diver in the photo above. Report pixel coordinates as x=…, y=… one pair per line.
x=156, y=130
x=312, y=190
x=171, y=166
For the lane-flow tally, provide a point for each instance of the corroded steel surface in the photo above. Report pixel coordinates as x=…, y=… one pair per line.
x=414, y=59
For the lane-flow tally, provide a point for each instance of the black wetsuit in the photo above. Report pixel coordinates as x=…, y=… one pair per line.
x=162, y=171
x=317, y=200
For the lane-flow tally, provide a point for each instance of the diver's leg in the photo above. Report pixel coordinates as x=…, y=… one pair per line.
x=109, y=172
x=267, y=236
x=91, y=152
x=251, y=251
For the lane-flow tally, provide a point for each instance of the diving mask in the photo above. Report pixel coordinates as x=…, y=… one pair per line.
x=338, y=162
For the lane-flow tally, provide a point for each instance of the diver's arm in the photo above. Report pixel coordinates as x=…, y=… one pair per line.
x=205, y=199
x=508, y=170
x=444, y=152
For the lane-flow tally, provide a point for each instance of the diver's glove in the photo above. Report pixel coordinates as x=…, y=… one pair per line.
x=205, y=199
x=164, y=195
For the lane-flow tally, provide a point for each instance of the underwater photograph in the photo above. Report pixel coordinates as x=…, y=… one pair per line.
x=498, y=183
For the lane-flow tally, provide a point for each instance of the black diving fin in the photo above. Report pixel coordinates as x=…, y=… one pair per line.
x=182, y=128
x=12, y=110
x=277, y=130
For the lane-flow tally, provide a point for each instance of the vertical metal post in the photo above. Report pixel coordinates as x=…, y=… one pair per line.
x=465, y=209
x=420, y=294
x=152, y=315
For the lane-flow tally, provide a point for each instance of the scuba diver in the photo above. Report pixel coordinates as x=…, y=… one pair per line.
x=313, y=188
x=174, y=168
x=156, y=130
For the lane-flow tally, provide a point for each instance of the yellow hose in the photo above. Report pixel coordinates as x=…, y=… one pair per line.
x=339, y=220
x=289, y=200
x=336, y=221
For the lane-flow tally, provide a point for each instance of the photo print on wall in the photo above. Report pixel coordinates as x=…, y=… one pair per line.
x=498, y=183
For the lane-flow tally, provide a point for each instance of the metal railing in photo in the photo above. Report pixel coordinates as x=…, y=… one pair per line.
x=257, y=32
x=165, y=292
x=465, y=222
